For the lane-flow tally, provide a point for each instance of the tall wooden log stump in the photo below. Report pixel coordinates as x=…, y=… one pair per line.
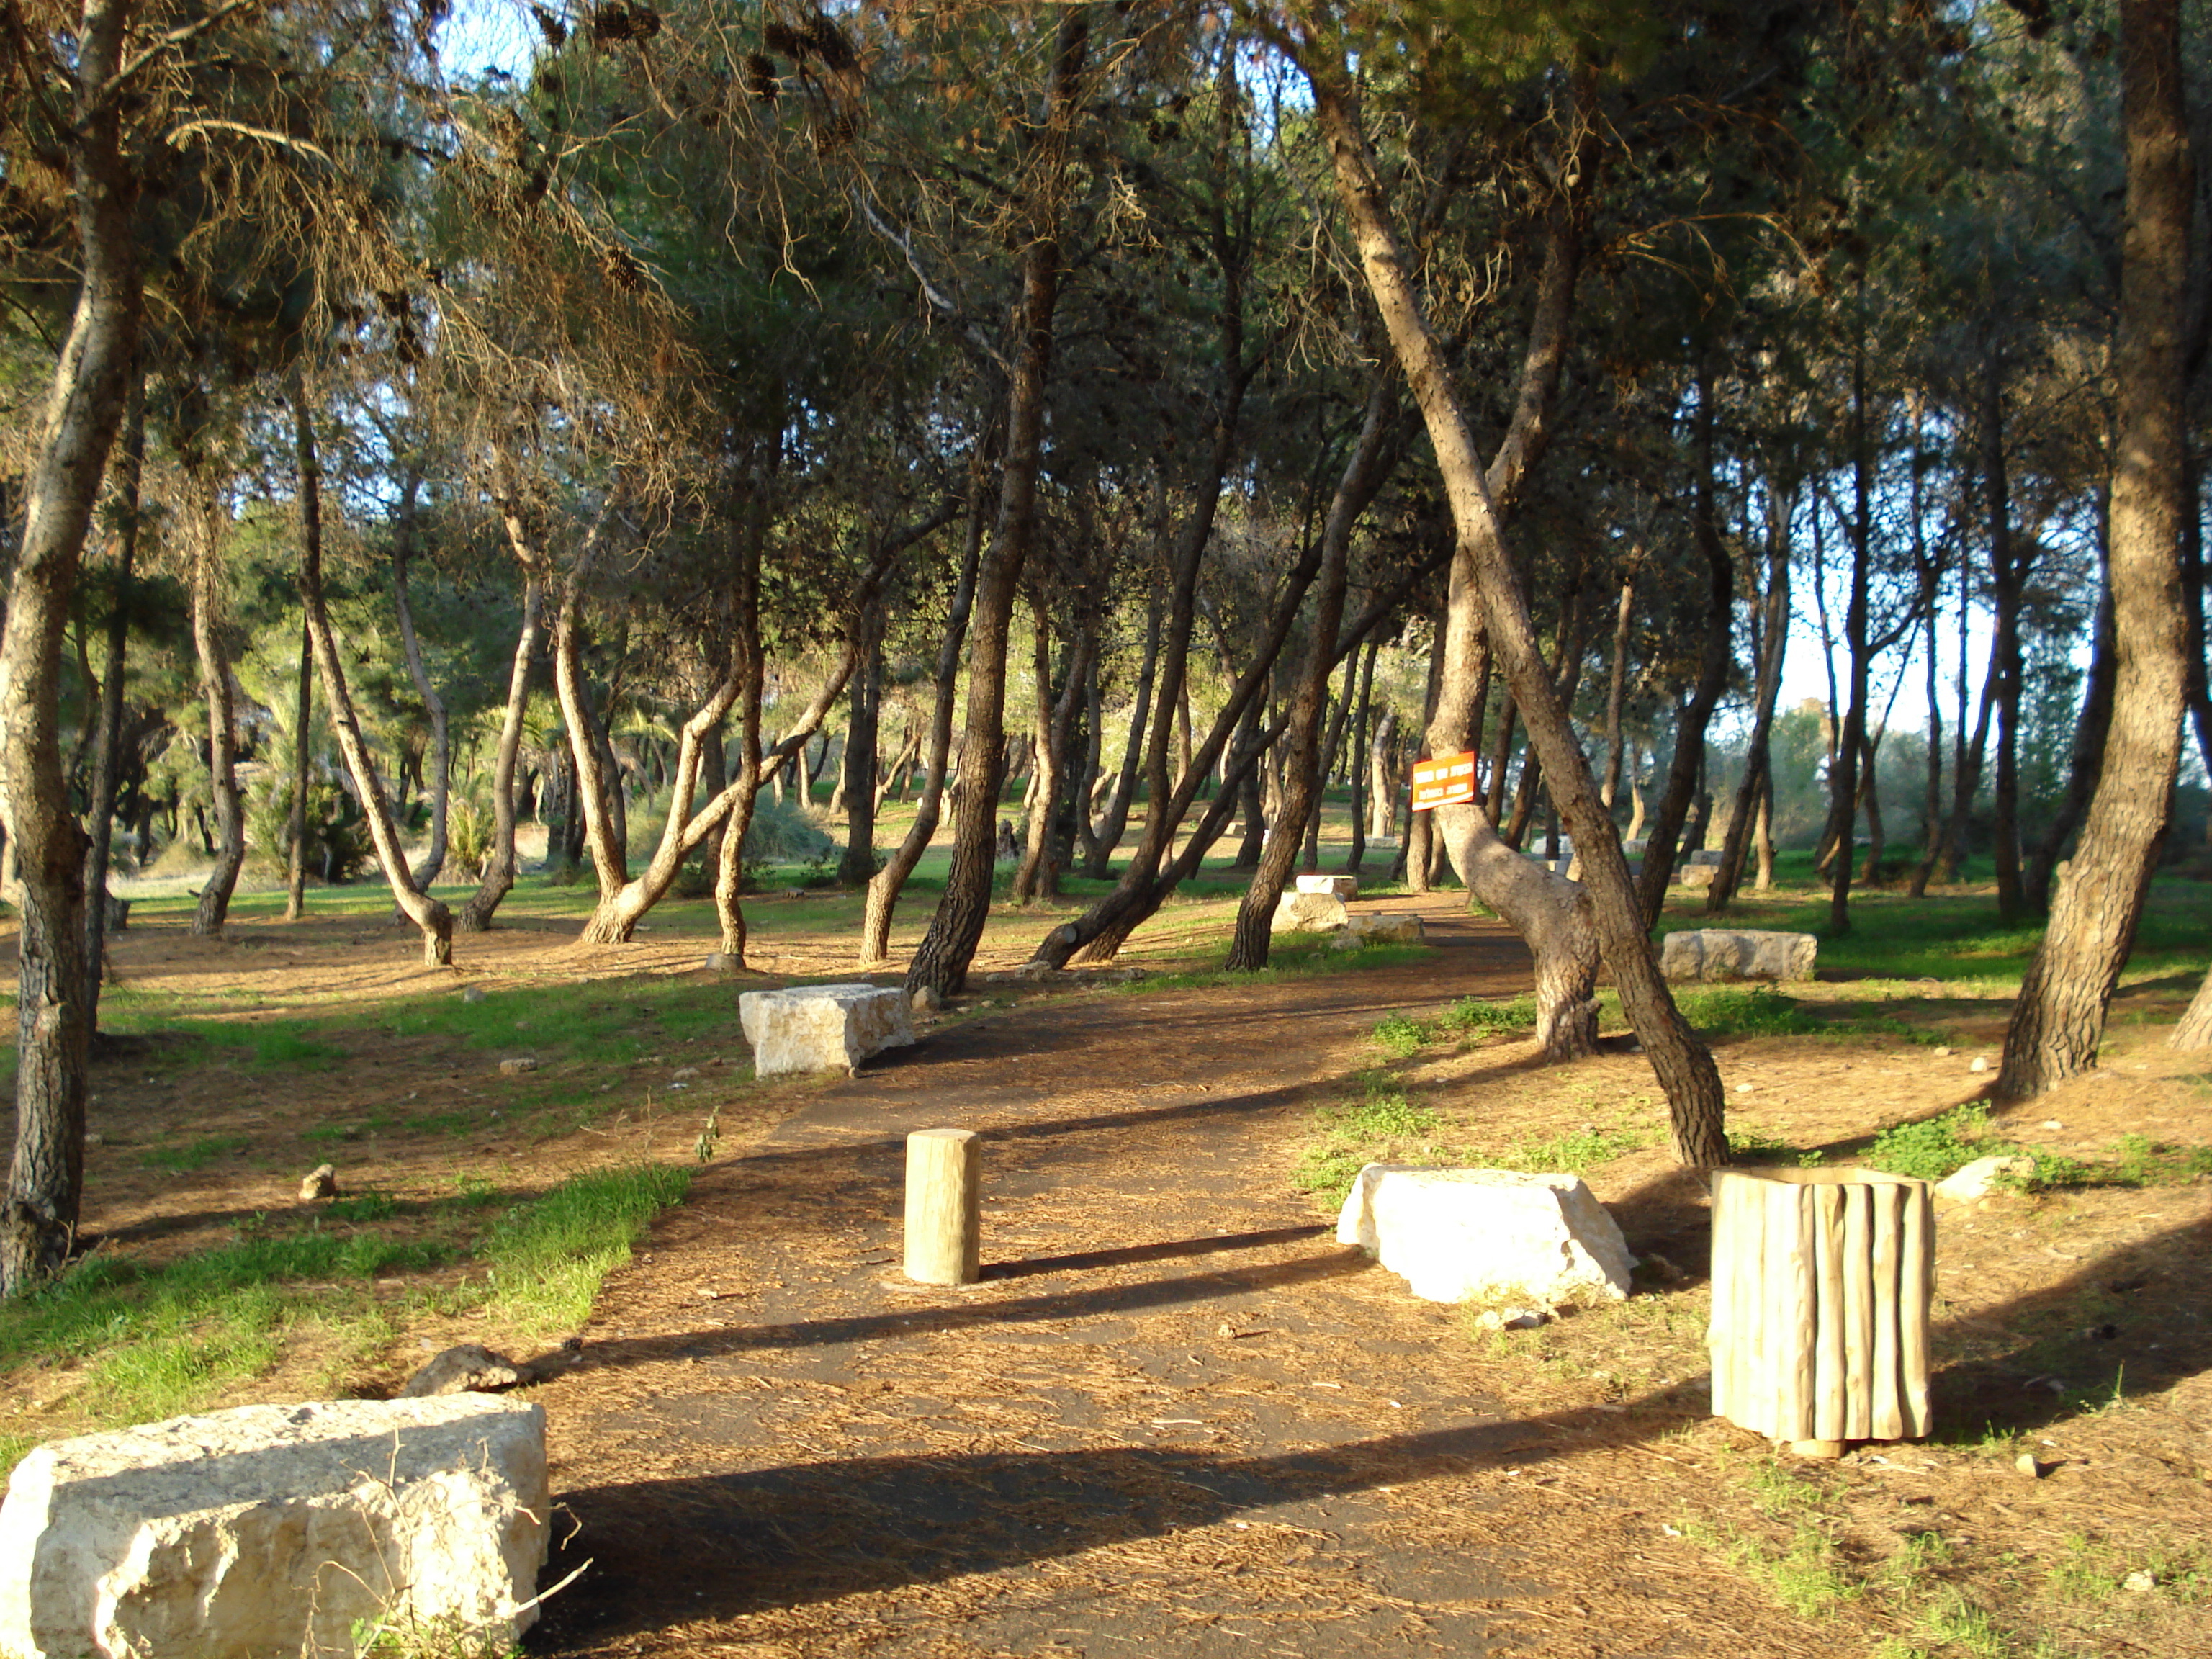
x=1821, y=1284
x=943, y=1206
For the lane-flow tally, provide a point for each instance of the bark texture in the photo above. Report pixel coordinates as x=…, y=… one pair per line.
x=2060, y=1015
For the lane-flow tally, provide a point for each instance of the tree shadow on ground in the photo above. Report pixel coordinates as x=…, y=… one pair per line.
x=744, y=1540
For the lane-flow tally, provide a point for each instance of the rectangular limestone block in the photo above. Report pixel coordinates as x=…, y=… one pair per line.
x=1712, y=956
x=1379, y=927
x=1308, y=913
x=1343, y=887
x=823, y=1028
x=1696, y=875
x=278, y=1531
x=1486, y=1234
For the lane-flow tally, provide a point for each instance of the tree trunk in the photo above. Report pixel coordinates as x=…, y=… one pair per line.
x=1038, y=877
x=2086, y=760
x=1616, y=692
x=2007, y=571
x=1758, y=764
x=2060, y=1016
x=883, y=890
x=1363, y=475
x=1361, y=762
x=303, y=714
x=207, y=512
x=1483, y=575
x=940, y=964
x=83, y=410
x=1382, y=774
x=498, y=877
x=441, y=748
x=863, y=739
x=108, y=755
x=1716, y=656
x=1132, y=758
x=427, y=913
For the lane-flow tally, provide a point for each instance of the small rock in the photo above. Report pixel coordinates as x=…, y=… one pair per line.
x=718, y=962
x=517, y=1068
x=1511, y=1319
x=467, y=1368
x=1943, y=1053
x=926, y=1000
x=1981, y=1063
x=1225, y=1330
x=683, y=1073
x=1979, y=1179
x=2140, y=1582
x=2053, y=1123
x=474, y=993
x=1743, y=1088
x=322, y=1181
x=2027, y=1465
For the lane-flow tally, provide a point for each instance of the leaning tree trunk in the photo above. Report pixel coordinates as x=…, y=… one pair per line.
x=1363, y=477
x=2007, y=571
x=863, y=732
x=214, y=906
x=2060, y=1016
x=1482, y=569
x=2086, y=761
x=1116, y=821
x=1758, y=765
x=108, y=755
x=1716, y=657
x=941, y=962
x=442, y=749
x=498, y=877
x=1358, y=764
x=83, y=411
x=427, y=913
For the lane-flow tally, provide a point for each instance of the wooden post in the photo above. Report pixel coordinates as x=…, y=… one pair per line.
x=1821, y=1284
x=943, y=1206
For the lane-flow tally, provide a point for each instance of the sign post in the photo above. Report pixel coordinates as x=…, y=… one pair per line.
x=1447, y=781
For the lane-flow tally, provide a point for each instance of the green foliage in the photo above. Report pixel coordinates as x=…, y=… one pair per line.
x=548, y=1257
x=1744, y=1011
x=196, y=1154
x=1512, y=1014
x=1936, y=1146
x=786, y=831
x=1575, y=1151
x=1381, y=1127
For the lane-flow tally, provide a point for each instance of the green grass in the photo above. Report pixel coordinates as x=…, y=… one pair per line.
x=154, y=1340
x=1576, y=1151
x=548, y=1258
x=1402, y=1035
x=196, y=1154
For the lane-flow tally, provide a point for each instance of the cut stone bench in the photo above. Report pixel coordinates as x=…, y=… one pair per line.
x=1712, y=956
x=1379, y=927
x=823, y=1028
x=271, y=1530
x=1342, y=887
x=1486, y=1234
x=1308, y=913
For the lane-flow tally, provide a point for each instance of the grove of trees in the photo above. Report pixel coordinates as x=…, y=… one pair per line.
x=1117, y=422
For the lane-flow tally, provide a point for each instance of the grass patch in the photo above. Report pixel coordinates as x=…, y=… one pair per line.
x=548, y=1258
x=152, y=1340
x=196, y=1154
x=1577, y=1152
x=1745, y=1010
x=1402, y=1035
x=1382, y=1127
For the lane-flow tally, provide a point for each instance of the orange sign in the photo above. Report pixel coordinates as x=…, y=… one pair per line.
x=1447, y=781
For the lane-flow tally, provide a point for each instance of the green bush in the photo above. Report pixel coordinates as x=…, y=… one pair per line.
x=786, y=831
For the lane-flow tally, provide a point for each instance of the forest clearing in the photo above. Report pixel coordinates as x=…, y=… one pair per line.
x=1175, y=1415
x=941, y=827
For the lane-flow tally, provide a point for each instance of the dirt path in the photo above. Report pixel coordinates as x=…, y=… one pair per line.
x=1176, y=1417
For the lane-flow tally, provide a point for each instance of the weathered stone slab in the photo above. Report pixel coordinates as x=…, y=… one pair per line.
x=1983, y=1177
x=1696, y=875
x=1379, y=927
x=1483, y=1235
x=1712, y=956
x=279, y=1530
x=1308, y=913
x=823, y=1028
x=1343, y=887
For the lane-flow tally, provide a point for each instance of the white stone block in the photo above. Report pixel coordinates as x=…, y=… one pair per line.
x=279, y=1530
x=1308, y=913
x=823, y=1028
x=1983, y=1177
x=1483, y=1235
x=1712, y=956
x=1343, y=887
x=1379, y=927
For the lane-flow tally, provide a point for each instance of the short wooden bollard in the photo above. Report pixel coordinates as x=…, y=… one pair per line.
x=943, y=1206
x=1821, y=1284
